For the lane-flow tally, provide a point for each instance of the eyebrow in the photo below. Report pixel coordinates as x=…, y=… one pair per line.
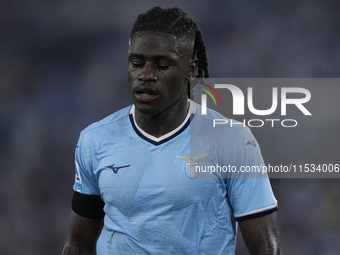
x=156, y=57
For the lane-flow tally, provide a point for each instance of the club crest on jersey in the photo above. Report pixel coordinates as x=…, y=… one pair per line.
x=190, y=166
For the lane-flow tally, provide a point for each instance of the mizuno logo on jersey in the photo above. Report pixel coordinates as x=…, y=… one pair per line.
x=251, y=143
x=116, y=168
x=192, y=163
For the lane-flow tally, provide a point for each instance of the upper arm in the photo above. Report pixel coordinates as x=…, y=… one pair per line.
x=249, y=191
x=251, y=197
x=87, y=207
x=83, y=235
x=261, y=234
x=86, y=224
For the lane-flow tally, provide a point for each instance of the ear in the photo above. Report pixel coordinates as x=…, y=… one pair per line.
x=192, y=68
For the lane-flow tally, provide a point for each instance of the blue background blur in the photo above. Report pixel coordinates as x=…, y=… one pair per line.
x=62, y=67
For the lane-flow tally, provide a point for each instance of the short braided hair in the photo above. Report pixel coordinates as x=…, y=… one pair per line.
x=176, y=22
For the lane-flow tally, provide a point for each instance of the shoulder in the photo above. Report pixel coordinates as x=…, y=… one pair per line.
x=106, y=124
x=222, y=134
x=214, y=122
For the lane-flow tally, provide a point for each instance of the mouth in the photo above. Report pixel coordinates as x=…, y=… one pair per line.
x=145, y=93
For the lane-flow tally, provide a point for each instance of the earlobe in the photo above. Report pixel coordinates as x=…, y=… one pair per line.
x=192, y=68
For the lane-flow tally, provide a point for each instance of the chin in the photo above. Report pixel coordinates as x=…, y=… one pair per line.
x=147, y=109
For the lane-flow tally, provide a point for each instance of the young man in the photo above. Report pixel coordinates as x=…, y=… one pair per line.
x=136, y=163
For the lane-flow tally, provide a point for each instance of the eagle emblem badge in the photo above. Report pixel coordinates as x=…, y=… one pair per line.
x=190, y=166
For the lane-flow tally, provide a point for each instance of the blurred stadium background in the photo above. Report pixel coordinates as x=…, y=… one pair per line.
x=62, y=67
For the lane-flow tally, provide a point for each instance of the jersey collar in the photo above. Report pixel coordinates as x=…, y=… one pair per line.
x=164, y=138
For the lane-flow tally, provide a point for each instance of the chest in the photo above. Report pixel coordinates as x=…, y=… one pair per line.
x=163, y=178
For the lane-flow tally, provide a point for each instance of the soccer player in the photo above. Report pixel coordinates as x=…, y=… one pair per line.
x=134, y=169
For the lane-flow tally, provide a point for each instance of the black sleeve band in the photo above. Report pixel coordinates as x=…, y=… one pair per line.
x=256, y=215
x=88, y=206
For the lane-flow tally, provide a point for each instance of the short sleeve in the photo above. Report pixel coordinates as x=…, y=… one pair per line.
x=85, y=179
x=249, y=192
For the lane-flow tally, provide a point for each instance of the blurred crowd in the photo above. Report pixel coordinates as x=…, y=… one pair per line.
x=62, y=67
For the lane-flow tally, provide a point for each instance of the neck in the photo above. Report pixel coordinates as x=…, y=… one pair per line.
x=164, y=122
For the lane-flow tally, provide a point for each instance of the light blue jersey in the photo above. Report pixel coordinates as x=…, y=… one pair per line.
x=155, y=201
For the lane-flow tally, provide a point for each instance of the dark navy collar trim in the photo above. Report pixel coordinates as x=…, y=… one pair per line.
x=161, y=141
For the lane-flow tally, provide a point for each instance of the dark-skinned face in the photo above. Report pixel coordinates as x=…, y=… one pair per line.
x=158, y=68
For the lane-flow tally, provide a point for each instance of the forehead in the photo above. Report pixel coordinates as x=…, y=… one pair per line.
x=157, y=43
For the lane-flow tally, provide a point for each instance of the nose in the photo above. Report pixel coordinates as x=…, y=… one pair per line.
x=147, y=73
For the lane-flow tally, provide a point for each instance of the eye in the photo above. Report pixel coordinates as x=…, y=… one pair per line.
x=136, y=63
x=162, y=66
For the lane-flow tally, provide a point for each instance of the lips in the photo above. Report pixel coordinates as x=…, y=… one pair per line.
x=145, y=93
